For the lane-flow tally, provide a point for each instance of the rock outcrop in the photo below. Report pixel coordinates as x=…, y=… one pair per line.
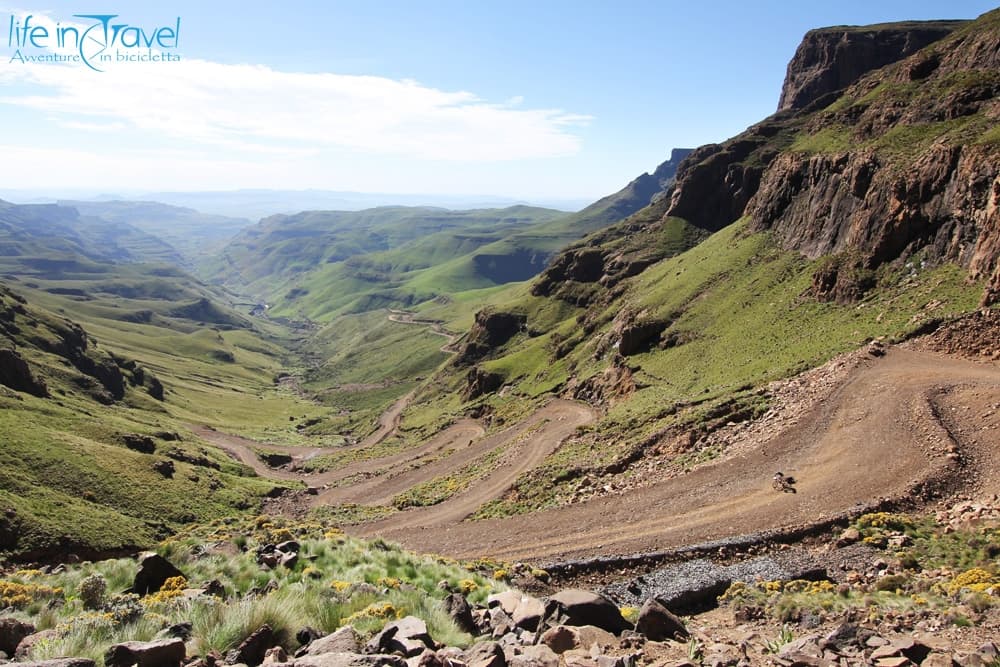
x=490, y=330
x=830, y=59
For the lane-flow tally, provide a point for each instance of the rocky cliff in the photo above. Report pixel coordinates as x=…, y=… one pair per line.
x=906, y=163
x=830, y=59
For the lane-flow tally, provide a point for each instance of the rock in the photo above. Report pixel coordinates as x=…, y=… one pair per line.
x=640, y=336
x=656, y=622
x=564, y=638
x=408, y=637
x=849, y=536
x=12, y=632
x=275, y=655
x=479, y=383
x=507, y=600
x=16, y=374
x=162, y=653
x=26, y=645
x=580, y=607
x=165, y=467
x=288, y=547
x=490, y=330
x=180, y=631
x=937, y=660
x=560, y=639
x=459, y=610
x=346, y=660
x=252, y=650
x=139, y=443
x=485, y=654
x=830, y=59
x=153, y=571
x=528, y=613
x=344, y=640
x=535, y=656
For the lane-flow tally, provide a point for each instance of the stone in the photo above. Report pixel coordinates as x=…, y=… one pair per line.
x=656, y=622
x=937, y=660
x=153, y=571
x=12, y=632
x=165, y=467
x=181, y=631
x=508, y=601
x=893, y=661
x=161, y=653
x=346, y=660
x=485, y=654
x=344, y=640
x=28, y=643
x=580, y=607
x=460, y=611
x=560, y=638
x=407, y=637
x=275, y=654
x=849, y=536
x=252, y=650
x=528, y=613
x=538, y=655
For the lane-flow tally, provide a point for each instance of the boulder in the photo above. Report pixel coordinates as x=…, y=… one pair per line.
x=528, y=613
x=345, y=660
x=12, y=631
x=165, y=467
x=162, y=653
x=16, y=374
x=154, y=570
x=344, y=640
x=656, y=622
x=563, y=638
x=252, y=650
x=28, y=643
x=407, y=637
x=580, y=607
x=485, y=654
x=538, y=655
x=508, y=601
x=459, y=610
x=139, y=443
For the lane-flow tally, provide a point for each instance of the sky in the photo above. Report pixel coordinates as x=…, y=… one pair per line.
x=542, y=99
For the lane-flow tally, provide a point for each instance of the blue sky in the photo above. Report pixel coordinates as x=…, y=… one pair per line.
x=530, y=100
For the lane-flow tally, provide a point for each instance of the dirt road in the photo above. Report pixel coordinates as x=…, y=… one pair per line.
x=894, y=422
x=879, y=433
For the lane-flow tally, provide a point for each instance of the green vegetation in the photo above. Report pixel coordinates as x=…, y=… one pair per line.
x=336, y=581
x=937, y=570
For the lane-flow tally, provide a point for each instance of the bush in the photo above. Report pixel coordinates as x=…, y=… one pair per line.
x=92, y=591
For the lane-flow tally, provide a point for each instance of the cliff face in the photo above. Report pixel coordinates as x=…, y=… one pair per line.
x=830, y=59
x=907, y=161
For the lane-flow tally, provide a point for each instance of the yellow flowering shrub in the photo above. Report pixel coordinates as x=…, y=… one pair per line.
x=376, y=610
x=467, y=586
x=340, y=586
x=389, y=582
x=977, y=579
x=18, y=595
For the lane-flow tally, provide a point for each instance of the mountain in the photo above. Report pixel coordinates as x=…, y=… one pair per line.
x=30, y=233
x=865, y=209
x=194, y=234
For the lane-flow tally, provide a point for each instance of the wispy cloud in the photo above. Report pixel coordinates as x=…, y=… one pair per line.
x=257, y=107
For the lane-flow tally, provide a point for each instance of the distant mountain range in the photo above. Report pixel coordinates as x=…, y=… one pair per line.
x=256, y=204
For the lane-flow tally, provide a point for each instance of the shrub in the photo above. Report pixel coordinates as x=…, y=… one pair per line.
x=92, y=591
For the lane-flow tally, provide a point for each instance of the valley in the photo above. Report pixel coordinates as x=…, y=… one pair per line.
x=288, y=411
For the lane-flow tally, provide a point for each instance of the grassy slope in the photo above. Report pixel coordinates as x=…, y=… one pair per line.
x=65, y=469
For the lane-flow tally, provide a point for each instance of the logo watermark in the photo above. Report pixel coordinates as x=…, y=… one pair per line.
x=97, y=42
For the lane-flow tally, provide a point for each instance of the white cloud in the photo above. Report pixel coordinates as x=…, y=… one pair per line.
x=256, y=107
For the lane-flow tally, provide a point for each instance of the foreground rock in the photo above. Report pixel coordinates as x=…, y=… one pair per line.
x=163, y=653
x=579, y=607
x=154, y=570
x=12, y=632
